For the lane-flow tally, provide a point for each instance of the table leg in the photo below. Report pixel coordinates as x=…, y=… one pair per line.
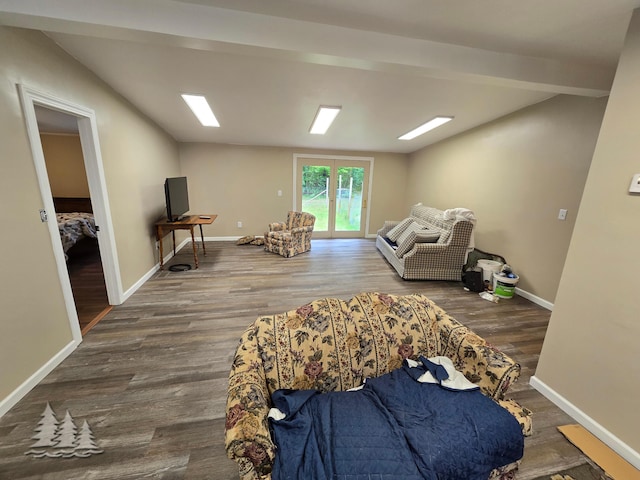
x=193, y=244
x=159, y=237
x=173, y=236
x=204, y=251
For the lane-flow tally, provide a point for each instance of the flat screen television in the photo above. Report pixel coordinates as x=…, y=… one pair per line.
x=177, y=197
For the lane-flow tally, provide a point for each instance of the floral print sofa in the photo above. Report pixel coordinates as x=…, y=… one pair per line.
x=332, y=344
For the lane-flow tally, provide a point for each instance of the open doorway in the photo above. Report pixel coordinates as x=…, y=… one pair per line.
x=69, y=186
x=104, y=249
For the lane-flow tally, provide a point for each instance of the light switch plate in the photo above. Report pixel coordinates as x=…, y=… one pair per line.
x=562, y=214
x=635, y=184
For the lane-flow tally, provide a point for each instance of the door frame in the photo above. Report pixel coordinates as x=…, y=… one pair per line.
x=371, y=161
x=88, y=131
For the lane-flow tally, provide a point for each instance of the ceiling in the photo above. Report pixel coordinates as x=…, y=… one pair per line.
x=266, y=66
x=53, y=121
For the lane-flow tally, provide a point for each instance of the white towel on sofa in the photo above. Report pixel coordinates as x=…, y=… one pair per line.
x=463, y=214
x=455, y=381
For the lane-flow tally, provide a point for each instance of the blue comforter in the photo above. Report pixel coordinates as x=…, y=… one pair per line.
x=393, y=428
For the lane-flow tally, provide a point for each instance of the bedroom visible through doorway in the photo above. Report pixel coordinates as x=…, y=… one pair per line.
x=83, y=120
x=62, y=149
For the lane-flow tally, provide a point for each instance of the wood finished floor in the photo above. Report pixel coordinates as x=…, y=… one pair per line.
x=87, y=283
x=151, y=377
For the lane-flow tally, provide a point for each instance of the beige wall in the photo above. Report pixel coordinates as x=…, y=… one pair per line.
x=140, y=156
x=241, y=183
x=590, y=353
x=136, y=155
x=516, y=173
x=65, y=165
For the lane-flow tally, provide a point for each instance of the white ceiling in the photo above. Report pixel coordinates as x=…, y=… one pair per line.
x=266, y=66
x=53, y=121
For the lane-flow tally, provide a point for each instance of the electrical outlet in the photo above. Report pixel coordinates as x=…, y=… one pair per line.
x=239, y=224
x=562, y=214
x=279, y=193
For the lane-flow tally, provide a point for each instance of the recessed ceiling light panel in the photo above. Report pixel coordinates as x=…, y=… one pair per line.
x=425, y=127
x=323, y=120
x=201, y=109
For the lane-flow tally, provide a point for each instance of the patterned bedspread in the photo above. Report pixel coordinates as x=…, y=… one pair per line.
x=74, y=227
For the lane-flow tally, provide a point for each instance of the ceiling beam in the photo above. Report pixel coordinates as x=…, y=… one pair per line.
x=217, y=29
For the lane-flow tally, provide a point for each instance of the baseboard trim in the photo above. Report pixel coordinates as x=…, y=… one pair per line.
x=617, y=445
x=14, y=397
x=142, y=280
x=535, y=299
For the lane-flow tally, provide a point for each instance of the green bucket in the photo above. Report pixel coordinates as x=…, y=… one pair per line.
x=504, y=287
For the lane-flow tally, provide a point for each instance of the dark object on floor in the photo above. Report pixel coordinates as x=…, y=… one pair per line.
x=472, y=279
x=583, y=472
x=180, y=267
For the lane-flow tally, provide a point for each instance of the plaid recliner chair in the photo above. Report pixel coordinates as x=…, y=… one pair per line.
x=290, y=238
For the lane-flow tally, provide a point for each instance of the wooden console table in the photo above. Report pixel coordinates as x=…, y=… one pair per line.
x=187, y=223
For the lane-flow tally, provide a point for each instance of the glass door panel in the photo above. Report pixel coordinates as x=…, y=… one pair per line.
x=348, y=204
x=315, y=194
x=335, y=191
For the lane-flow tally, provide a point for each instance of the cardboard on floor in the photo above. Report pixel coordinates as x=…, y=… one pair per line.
x=613, y=464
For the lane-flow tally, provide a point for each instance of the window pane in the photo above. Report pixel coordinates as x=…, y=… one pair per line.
x=349, y=199
x=315, y=197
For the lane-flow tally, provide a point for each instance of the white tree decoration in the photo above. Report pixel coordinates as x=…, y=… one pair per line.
x=66, y=437
x=86, y=444
x=45, y=433
x=61, y=439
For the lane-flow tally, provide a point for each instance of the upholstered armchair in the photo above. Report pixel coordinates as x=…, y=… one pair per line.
x=290, y=238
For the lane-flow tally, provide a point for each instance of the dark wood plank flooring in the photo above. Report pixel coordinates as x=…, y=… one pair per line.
x=87, y=283
x=151, y=377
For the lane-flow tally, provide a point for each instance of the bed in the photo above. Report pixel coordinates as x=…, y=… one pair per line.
x=75, y=221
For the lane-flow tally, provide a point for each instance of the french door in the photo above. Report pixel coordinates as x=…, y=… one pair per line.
x=336, y=191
